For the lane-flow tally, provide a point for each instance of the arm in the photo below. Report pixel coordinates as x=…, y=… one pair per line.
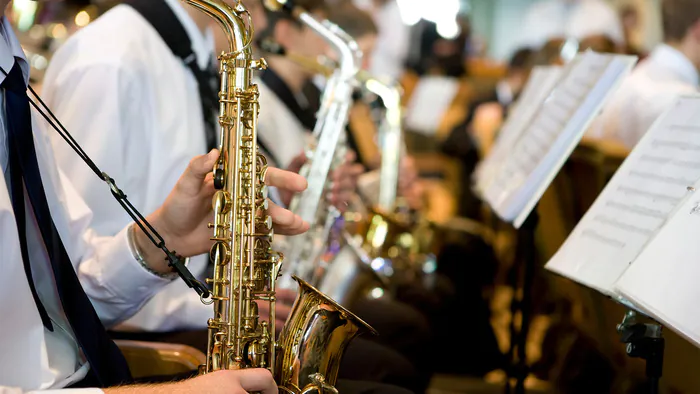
x=220, y=382
x=176, y=307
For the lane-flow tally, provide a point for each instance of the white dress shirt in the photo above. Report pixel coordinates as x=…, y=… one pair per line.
x=576, y=19
x=135, y=109
x=644, y=95
x=31, y=357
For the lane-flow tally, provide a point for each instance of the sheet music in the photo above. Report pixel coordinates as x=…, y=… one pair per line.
x=539, y=85
x=553, y=133
x=646, y=189
x=429, y=102
x=663, y=281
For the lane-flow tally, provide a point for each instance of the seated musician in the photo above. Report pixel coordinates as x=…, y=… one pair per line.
x=576, y=19
x=435, y=302
x=653, y=85
x=62, y=280
x=287, y=116
x=143, y=123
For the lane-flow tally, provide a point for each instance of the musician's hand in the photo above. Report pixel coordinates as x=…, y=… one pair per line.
x=408, y=174
x=219, y=382
x=295, y=167
x=414, y=196
x=182, y=219
x=344, y=182
x=285, y=222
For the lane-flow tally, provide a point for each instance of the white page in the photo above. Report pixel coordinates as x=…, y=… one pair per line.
x=663, y=281
x=539, y=85
x=553, y=134
x=647, y=188
x=429, y=102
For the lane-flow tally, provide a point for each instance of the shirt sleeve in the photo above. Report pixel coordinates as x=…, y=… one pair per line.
x=115, y=281
x=176, y=307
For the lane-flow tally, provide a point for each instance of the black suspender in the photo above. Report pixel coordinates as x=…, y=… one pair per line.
x=165, y=22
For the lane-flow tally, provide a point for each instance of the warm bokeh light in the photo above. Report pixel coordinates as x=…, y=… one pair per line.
x=58, y=31
x=82, y=18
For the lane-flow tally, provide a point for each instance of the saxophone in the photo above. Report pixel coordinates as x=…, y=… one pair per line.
x=304, y=253
x=306, y=356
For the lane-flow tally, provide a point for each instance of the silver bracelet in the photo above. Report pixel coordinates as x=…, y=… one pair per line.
x=137, y=255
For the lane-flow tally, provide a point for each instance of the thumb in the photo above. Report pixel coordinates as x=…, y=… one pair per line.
x=198, y=169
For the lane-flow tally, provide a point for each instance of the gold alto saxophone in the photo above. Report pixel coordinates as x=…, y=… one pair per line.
x=306, y=357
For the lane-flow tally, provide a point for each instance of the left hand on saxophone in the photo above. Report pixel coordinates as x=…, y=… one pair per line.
x=182, y=219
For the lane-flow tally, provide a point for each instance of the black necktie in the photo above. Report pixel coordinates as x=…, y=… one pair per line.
x=106, y=361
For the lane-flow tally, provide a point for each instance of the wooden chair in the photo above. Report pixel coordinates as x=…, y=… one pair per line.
x=158, y=359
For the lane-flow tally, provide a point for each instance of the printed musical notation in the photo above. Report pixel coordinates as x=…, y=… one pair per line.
x=539, y=85
x=663, y=281
x=555, y=129
x=637, y=201
x=429, y=103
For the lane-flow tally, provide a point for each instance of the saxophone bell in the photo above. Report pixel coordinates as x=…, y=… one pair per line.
x=313, y=342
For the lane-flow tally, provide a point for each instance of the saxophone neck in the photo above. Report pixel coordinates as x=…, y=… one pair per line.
x=232, y=20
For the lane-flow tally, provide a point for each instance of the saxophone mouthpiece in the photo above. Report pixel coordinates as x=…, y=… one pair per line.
x=287, y=6
x=277, y=5
x=268, y=44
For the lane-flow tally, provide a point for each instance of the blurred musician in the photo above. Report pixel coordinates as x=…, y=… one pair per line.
x=153, y=101
x=670, y=70
x=577, y=19
x=287, y=115
x=393, y=40
x=61, y=281
x=144, y=123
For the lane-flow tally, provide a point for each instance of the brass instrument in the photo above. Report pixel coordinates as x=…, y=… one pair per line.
x=308, y=254
x=245, y=266
x=380, y=240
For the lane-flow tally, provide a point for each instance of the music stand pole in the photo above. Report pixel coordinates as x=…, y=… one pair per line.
x=645, y=341
x=526, y=261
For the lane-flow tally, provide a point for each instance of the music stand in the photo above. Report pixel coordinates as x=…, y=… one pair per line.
x=532, y=162
x=637, y=240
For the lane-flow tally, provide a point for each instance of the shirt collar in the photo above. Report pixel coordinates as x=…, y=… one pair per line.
x=202, y=44
x=673, y=59
x=504, y=93
x=10, y=49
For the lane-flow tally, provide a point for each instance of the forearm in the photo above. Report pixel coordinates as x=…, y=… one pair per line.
x=169, y=388
x=17, y=390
